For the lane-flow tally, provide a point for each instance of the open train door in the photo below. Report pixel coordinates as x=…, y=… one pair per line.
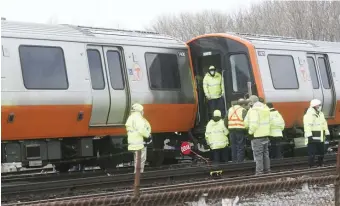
x=230, y=55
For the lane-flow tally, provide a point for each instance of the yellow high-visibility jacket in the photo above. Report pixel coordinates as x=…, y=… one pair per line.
x=213, y=86
x=315, y=125
x=257, y=120
x=277, y=123
x=216, y=134
x=137, y=128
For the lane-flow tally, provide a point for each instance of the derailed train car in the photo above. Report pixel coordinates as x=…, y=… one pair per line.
x=67, y=90
x=285, y=71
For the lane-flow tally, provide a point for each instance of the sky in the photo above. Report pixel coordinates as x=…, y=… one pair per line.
x=122, y=14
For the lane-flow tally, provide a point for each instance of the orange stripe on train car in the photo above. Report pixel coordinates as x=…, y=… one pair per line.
x=194, y=85
x=56, y=121
x=293, y=112
x=252, y=56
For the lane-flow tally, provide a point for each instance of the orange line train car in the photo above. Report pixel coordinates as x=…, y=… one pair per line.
x=67, y=91
x=285, y=71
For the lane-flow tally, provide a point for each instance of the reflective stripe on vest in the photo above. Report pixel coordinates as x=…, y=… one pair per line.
x=236, y=122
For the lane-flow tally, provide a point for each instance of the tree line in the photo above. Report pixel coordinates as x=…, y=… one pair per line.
x=315, y=20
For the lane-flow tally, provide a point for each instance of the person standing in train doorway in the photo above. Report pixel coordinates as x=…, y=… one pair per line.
x=138, y=129
x=236, y=115
x=277, y=125
x=214, y=90
x=217, y=139
x=258, y=124
x=316, y=130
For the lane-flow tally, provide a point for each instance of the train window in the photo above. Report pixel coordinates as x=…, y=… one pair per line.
x=163, y=71
x=283, y=73
x=324, y=73
x=96, y=69
x=240, y=72
x=312, y=71
x=115, y=70
x=43, y=67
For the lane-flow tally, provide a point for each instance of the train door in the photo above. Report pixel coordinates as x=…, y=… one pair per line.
x=237, y=76
x=100, y=91
x=118, y=89
x=317, y=90
x=109, y=96
x=325, y=84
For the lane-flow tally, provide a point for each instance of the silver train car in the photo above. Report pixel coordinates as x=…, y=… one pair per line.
x=285, y=71
x=67, y=91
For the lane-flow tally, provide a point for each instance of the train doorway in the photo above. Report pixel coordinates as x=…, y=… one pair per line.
x=231, y=59
x=203, y=64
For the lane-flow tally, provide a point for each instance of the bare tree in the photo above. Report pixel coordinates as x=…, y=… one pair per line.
x=317, y=20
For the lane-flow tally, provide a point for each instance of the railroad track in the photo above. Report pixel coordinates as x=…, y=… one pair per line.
x=46, y=175
x=128, y=196
x=22, y=190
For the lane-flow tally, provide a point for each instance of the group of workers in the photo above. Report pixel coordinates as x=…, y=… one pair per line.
x=252, y=118
x=262, y=124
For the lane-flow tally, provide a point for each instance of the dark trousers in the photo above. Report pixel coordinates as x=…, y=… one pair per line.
x=220, y=155
x=315, y=148
x=216, y=104
x=237, y=138
x=275, y=151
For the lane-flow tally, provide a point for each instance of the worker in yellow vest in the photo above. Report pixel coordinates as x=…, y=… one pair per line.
x=138, y=129
x=316, y=131
x=217, y=139
x=258, y=124
x=236, y=115
x=277, y=125
x=213, y=88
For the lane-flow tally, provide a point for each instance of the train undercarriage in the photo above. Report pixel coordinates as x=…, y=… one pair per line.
x=108, y=152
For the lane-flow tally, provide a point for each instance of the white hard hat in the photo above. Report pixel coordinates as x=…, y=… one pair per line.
x=211, y=67
x=241, y=100
x=253, y=99
x=315, y=102
x=217, y=113
x=137, y=107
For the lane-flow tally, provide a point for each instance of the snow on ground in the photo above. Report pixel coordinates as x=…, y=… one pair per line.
x=308, y=195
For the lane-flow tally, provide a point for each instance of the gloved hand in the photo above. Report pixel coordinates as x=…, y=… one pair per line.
x=148, y=141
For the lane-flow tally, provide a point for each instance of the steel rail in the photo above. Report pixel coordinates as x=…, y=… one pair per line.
x=244, y=180
x=231, y=169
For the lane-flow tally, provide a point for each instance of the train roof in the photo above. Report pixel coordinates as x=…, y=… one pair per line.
x=278, y=42
x=259, y=39
x=66, y=32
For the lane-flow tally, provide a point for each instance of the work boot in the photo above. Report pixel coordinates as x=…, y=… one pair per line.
x=320, y=161
x=311, y=161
